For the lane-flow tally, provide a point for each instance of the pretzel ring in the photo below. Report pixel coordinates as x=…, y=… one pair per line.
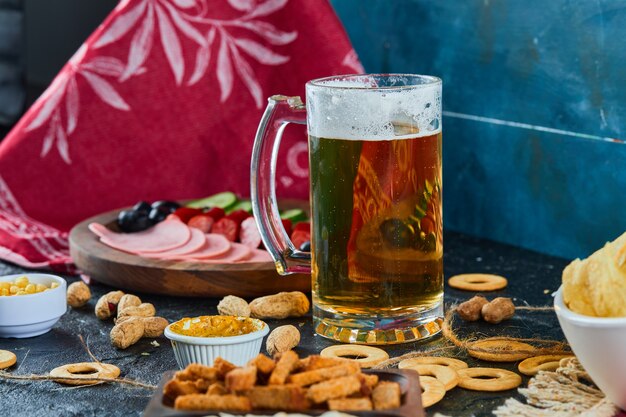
x=501, y=350
x=433, y=390
x=478, y=282
x=7, y=359
x=455, y=364
x=535, y=364
x=366, y=356
x=488, y=379
x=444, y=374
x=81, y=373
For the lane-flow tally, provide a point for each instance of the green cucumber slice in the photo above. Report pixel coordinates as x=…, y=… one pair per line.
x=223, y=200
x=295, y=215
x=241, y=205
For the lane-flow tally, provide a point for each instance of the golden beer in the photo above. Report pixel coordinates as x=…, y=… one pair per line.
x=376, y=225
x=375, y=173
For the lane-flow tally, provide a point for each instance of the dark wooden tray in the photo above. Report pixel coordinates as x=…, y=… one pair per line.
x=408, y=380
x=133, y=273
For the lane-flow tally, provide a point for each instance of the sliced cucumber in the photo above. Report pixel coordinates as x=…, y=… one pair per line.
x=223, y=200
x=242, y=205
x=295, y=215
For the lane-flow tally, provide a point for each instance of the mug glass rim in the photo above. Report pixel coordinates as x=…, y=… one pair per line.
x=426, y=81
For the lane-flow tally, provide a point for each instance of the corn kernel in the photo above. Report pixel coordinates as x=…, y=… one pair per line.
x=30, y=289
x=54, y=285
x=22, y=282
x=4, y=291
x=14, y=289
x=40, y=288
x=5, y=285
x=21, y=292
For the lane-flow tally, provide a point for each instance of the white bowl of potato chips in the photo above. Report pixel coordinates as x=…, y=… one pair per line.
x=599, y=343
x=30, y=304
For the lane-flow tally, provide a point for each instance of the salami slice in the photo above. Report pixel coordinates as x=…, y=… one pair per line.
x=249, y=234
x=167, y=235
x=229, y=228
x=236, y=253
x=197, y=241
x=215, y=245
x=258, y=255
x=204, y=222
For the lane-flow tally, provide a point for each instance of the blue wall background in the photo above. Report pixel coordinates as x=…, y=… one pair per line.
x=534, y=110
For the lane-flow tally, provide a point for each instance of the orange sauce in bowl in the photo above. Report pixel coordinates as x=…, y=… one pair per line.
x=215, y=326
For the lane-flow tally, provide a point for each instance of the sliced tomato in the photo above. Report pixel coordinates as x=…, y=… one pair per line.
x=203, y=222
x=298, y=237
x=227, y=228
x=186, y=213
x=287, y=225
x=238, y=215
x=306, y=226
x=216, y=213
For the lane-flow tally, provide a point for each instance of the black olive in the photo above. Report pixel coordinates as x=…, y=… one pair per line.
x=131, y=221
x=306, y=246
x=170, y=205
x=142, y=207
x=397, y=233
x=158, y=214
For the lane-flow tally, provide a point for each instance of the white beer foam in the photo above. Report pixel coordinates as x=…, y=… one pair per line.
x=354, y=111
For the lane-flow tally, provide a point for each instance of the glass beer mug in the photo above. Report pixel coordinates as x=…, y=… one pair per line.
x=376, y=259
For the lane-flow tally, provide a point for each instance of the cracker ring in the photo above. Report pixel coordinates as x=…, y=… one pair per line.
x=478, y=282
x=531, y=366
x=366, y=356
x=79, y=373
x=500, y=350
x=7, y=359
x=433, y=390
x=444, y=374
x=499, y=379
x=455, y=364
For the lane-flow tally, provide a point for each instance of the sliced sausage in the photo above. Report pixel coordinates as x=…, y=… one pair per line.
x=216, y=245
x=249, y=233
x=258, y=255
x=197, y=241
x=237, y=252
x=166, y=235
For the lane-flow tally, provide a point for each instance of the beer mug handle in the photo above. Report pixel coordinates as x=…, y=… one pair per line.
x=280, y=111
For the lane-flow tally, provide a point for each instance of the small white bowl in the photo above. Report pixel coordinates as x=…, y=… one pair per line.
x=32, y=314
x=235, y=349
x=600, y=345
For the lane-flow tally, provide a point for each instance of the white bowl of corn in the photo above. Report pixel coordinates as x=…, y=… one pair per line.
x=30, y=304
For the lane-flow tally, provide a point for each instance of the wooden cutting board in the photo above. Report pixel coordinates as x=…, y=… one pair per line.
x=190, y=279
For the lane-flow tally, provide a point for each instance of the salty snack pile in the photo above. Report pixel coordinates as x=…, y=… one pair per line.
x=596, y=286
x=23, y=286
x=286, y=383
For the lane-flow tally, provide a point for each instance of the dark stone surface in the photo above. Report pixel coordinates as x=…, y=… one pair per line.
x=532, y=277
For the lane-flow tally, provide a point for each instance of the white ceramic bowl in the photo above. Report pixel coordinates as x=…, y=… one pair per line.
x=32, y=314
x=235, y=349
x=600, y=345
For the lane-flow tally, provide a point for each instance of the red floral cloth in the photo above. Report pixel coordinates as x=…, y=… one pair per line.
x=161, y=102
